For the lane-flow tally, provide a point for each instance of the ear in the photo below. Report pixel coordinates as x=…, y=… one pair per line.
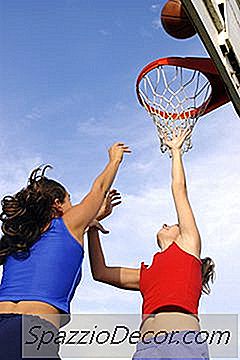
x=58, y=205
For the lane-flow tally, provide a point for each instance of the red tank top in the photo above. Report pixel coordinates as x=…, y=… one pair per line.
x=174, y=280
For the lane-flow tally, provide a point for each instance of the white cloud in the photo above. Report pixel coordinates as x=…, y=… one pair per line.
x=109, y=123
x=155, y=7
x=51, y=107
x=104, y=32
x=93, y=127
x=16, y=171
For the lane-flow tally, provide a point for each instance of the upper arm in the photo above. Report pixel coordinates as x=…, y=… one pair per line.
x=80, y=216
x=121, y=277
x=187, y=223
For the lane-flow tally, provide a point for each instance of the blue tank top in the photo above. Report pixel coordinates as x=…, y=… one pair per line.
x=50, y=274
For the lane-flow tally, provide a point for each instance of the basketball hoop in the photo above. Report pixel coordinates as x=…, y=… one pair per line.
x=177, y=91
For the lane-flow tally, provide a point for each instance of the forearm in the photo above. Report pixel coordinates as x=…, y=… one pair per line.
x=121, y=277
x=178, y=174
x=106, y=178
x=96, y=256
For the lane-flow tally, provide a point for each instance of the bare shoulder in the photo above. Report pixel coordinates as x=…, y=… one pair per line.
x=191, y=247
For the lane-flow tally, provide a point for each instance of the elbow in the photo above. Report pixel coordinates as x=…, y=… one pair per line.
x=101, y=274
x=98, y=277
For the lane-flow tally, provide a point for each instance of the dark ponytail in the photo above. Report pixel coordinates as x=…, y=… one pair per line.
x=25, y=214
x=208, y=274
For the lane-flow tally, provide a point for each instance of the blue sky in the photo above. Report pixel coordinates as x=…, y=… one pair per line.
x=68, y=72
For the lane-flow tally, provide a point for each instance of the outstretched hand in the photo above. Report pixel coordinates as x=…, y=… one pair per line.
x=96, y=225
x=112, y=199
x=179, y=135
x=117, y=151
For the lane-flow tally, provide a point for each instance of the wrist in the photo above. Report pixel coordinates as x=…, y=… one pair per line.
x=93, y=225
x=115, y=161
x=175, y=151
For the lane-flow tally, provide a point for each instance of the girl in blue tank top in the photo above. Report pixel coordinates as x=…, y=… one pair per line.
x=41, y=251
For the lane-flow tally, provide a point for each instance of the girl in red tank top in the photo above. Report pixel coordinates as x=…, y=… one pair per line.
x=173, y=283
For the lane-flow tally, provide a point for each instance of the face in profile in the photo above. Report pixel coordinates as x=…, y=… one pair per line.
x=167, y=234
x=67, y=204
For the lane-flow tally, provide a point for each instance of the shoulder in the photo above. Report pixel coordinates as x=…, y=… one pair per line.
x=189, y=249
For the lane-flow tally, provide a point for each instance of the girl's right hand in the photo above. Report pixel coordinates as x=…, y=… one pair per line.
x=179, y=135
x=112, y=199
x=117, y=150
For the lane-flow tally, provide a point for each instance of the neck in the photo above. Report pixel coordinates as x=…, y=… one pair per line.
x=165, y=245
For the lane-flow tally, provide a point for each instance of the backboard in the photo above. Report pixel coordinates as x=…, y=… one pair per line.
x=218, y=25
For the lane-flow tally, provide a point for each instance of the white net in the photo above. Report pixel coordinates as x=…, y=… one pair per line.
x=175, y=97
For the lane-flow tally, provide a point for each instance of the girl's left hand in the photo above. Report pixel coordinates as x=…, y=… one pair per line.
x=96, y=225
x=112, y=199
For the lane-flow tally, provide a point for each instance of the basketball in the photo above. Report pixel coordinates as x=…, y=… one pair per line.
x=175, y=21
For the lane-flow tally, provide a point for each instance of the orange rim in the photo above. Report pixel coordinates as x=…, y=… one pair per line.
x=206, y=66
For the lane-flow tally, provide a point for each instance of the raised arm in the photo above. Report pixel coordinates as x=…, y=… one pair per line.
x=188, y=228
x=121, y=277
x=80, y=216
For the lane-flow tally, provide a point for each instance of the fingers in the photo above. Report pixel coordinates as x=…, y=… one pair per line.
x=102, y=229
x=117, y=203
x=186, y=133
x=97, y=225
x=164, y=135
x=117, y=151
x=112, y=192
x=114, y=197
x=122, y=146
x=115, y=194
x=118, y=143
x=177, y=132
x=126, y=149
x=175, y=136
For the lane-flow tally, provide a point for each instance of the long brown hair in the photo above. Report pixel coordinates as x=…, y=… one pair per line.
x=25, y=214
x=208, y=274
